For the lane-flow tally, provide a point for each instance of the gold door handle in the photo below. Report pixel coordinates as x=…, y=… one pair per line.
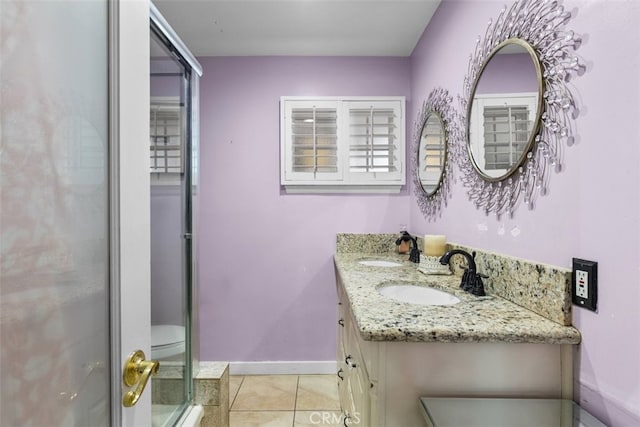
x=137, y=370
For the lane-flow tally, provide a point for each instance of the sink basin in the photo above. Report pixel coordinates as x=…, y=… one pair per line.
x=379, y=263
x=416, y=294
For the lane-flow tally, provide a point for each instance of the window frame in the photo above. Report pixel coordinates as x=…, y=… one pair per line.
x=289, y=173
x=397, y=153
x=346, y=180
x=159, y=177
x=480, y=102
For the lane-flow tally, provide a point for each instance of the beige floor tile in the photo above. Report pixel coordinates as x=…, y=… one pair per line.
x=261, y=419
x=234, y=385
x=266, y=393
x=317, y=393
x=318, y=418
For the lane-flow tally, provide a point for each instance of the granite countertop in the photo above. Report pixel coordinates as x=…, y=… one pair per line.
x=474, y=319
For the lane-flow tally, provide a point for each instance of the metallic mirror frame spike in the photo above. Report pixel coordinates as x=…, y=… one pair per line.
x=441, y=102
x=541, y=24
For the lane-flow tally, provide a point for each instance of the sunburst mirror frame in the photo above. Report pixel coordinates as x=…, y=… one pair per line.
x=539, y=23
x=440, y=102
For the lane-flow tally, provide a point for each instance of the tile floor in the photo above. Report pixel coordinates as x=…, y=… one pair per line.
x=283, y=401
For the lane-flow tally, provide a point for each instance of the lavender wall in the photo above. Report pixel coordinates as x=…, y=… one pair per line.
x=267, y=286
x=509, y=73
x=165, y=86
x=592, y=210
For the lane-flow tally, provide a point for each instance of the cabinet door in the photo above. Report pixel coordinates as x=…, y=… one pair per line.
x=359, y=384
x=355, y=386
x=360, y=393
x=343, y=381
x=373, y=407
x=343, y=373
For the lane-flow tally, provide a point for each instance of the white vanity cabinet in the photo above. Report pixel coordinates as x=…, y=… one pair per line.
x=380, y=382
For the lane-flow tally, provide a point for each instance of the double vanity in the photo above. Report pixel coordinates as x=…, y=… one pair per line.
x=404, y=335
x=443, y=343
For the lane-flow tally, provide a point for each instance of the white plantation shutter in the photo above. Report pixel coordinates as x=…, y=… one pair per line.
x=375, y=148
x=314, y=140
x=166, y=147
x=499, y=129
x=335, y=144
x=432, y=153
x=506, y=133
x=311, y=130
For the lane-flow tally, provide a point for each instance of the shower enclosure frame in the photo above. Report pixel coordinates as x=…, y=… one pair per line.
x=189, y=189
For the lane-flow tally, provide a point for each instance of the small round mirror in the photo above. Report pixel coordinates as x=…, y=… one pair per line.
x=432, y=153
x=506, y=110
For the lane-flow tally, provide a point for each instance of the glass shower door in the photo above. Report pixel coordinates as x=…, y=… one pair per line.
x=54, y=217
x=170, y=192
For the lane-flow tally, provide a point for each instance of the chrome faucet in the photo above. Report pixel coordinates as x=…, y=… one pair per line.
x=471, y=279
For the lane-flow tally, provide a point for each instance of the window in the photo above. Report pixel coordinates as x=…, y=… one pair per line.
x=505, y=123
x=312, y=135
x=373, y=134
x=166, y=146
x=506, y=133
x=432, y=152
x=342, y=144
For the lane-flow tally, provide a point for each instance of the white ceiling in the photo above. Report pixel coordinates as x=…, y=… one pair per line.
x=299, y=27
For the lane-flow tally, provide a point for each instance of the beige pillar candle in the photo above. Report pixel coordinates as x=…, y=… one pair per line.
x=435, y=245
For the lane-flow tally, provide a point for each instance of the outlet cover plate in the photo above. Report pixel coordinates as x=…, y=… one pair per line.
x=584, y=283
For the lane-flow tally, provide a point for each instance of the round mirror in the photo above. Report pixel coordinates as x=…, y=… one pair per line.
x=432, y=153
x=435, y=140
x=505, y=110
x=511, y=146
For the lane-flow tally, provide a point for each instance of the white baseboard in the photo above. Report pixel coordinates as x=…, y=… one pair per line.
x=283, y=368
x=610, y=409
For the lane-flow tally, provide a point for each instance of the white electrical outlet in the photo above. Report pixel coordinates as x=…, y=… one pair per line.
x=582, y=284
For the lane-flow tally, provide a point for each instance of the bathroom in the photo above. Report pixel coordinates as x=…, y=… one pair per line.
x=267, y=299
